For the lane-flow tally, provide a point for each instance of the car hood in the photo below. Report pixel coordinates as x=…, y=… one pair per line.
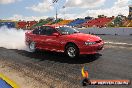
x=85, y=37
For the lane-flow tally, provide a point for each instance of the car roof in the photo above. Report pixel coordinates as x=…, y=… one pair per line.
x=54, y=26
x=48, y=26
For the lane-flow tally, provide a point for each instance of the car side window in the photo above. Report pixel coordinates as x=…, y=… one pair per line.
x=47, y=31
x=50, y=30
x=42, y=31
x=36, y=31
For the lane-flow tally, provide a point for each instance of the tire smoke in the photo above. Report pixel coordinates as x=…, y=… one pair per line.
x=11, y=38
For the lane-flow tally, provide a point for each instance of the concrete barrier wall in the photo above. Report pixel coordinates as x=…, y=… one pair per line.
x=109, y=31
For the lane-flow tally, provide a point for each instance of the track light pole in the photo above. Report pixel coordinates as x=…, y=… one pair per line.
x=56, y=13
x=55, y=1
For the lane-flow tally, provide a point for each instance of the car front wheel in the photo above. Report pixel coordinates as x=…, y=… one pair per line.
x=72, y=51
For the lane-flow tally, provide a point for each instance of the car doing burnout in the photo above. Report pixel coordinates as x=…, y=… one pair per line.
x=63, y=39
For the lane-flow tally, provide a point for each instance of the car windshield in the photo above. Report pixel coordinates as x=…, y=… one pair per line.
x=67, y=30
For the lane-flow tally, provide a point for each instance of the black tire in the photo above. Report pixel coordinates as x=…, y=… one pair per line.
x=32, y=46
x=72, y=51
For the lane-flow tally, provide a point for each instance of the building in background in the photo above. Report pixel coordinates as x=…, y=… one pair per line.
x=30, y=24
x=130, y=13
x=22, y=25
x=8, y=23
x=98, y=22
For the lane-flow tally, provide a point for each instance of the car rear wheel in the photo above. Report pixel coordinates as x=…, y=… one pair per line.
x=32, y=47
x=72, y=51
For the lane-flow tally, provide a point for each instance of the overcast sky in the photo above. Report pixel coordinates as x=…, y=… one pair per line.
x=37, y=9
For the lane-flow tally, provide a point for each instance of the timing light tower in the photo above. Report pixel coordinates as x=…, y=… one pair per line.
x=55, y=1
x=64, y=11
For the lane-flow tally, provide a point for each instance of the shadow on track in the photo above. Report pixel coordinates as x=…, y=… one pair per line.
x=58, y=57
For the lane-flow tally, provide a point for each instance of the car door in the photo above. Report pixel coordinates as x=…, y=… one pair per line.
x=35, y=36
x=52, y=42
x=42, y=38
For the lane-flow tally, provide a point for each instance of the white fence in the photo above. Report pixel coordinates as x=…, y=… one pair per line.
x=107, y=31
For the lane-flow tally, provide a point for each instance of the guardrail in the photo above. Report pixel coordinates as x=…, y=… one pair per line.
x=107, y=31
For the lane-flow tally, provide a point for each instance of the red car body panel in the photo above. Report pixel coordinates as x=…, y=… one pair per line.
x=58, y=43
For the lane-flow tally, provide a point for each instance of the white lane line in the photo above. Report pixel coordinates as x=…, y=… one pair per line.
x=117, y=43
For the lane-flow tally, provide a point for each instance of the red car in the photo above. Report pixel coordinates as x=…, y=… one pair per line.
x=63, y=39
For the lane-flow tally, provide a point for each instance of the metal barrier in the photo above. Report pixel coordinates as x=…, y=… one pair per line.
x=107, y=31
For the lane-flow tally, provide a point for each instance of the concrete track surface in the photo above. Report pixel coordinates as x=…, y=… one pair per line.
x=54, y=70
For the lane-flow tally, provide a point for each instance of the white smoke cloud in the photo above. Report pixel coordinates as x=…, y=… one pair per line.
x=12, y=38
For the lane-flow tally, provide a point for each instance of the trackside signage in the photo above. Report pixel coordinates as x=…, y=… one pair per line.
x=86, y=81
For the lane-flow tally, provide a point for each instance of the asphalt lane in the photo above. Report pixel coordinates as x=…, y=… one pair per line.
x=55, y=70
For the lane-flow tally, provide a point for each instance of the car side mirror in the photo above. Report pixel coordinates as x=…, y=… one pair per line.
x=55, y=34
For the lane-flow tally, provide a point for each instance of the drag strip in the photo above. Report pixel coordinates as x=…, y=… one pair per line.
x=45, y=69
